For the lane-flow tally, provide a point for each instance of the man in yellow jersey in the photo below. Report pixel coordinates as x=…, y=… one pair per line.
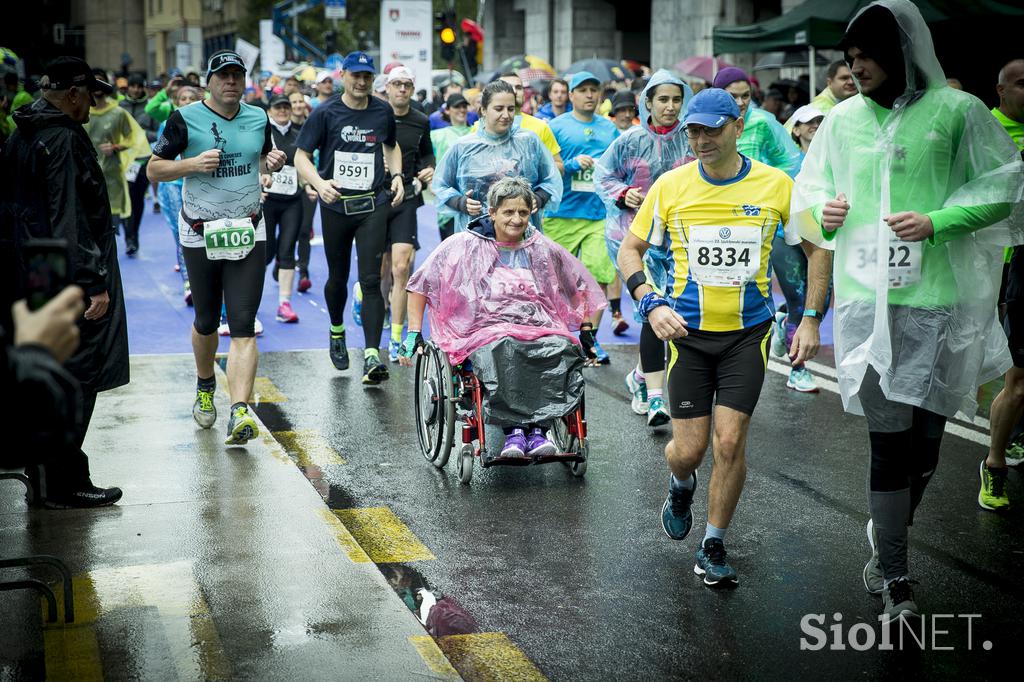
x=717, y=218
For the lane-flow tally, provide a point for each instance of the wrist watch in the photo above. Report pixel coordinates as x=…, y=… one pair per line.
x=813, y=314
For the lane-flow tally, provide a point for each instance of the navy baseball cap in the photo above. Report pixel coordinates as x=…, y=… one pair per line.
x=582, y=77
x=223, y=60
x=68, y=72
x=711, y=107
x=358, y=61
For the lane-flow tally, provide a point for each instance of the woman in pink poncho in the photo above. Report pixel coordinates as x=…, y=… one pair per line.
x=511, y=300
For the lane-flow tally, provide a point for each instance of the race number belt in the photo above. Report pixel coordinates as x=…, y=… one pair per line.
x=724, y=256
x=903, y=265
x=354, y=170
x=286, y=181
x=229, y=238
x=583, y=181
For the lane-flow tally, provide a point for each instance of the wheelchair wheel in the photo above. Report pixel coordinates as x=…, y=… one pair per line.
x=579, y=469
x=465, y=464
x=435, y=412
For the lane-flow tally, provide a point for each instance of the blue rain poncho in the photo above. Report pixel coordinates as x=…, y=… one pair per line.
x=480, y=159
x=636, y=159
x=922, y=314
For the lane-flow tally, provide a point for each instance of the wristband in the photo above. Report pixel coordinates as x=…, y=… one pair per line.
x=813, y=314
x=635, y=280
x=648, y=303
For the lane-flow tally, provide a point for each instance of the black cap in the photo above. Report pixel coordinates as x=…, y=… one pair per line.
x=454, y=100
x=68, y=72
x=623, y=99
x=155, y=84
x=222, y=60
x=280, y=99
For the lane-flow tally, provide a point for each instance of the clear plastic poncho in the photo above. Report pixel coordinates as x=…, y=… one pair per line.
x=480, y=290
x=925, y=318
x=636, y=159
x=480, y=159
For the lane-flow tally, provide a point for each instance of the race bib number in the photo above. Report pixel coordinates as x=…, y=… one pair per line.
x=286, y=181
x=724, y=256
x=353, y=170
x=132, y=171
x=903, y=264
x=229, y=238
x=583, y=180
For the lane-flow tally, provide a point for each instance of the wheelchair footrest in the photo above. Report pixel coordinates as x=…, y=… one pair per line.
x=566, y=457
x=489, y=460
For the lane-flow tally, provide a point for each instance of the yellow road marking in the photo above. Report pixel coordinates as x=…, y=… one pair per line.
x=311, y=448
x=264, y=391
x=72, y=651
x=489, y=657
x=348, y=543
x=433, y=656
x=382, y=535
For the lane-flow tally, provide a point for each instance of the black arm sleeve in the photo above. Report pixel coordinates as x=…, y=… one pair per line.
x=65, y=167
x=174, y=139
x=268, y=140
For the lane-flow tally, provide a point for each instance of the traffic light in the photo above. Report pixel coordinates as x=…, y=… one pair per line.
x=447, y=35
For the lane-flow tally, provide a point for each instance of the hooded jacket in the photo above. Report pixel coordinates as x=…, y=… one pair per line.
x=913, y=145
x=54, y=188
x=636, y=159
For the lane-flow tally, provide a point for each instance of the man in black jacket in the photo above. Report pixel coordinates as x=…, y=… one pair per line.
x=55, y=189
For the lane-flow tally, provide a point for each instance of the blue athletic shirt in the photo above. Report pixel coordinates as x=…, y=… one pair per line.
x=334, y=126
x=233, y=189
x=576, y=137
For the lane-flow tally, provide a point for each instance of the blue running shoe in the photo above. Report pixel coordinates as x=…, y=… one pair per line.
x=657, y=413
x=801, y=379
x=712, y=566
x=357, y=305
x=602, y=357
x=676, y=517
x=394, y=350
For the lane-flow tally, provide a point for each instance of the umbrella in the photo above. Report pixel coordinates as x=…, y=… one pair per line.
x=604, y=69
x=780, y=60
x=526, y=61
x=534, y=75
x=701, y=67
x=472, y=29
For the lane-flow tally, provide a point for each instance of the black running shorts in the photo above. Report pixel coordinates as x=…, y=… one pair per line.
x=717, y=368
x=402, y=224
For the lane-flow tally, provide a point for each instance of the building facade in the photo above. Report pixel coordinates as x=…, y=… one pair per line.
x=114, y=33
x=174, y=35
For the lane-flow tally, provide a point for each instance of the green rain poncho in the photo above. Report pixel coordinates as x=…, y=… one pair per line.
x=939, y=152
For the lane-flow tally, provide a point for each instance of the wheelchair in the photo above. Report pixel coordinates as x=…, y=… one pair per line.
x=447, y=395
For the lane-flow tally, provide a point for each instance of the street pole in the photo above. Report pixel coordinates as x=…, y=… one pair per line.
x=813, y=58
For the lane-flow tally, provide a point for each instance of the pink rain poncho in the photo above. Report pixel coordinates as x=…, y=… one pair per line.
x=480, y=290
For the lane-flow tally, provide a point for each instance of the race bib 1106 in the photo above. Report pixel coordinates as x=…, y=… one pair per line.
x=353, y=170
x=229, y=238
x=724, y=256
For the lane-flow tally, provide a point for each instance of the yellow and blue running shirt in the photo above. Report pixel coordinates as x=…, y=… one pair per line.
x=719, y=234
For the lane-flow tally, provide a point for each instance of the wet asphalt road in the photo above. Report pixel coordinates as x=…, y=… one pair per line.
x=579, y=574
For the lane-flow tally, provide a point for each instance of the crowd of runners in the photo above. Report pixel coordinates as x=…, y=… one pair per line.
x=892, y=200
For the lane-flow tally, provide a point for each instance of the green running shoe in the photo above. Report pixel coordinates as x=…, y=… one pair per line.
x=992, y=495
x=1014, y=454
x=242, y=427
x=203, y=409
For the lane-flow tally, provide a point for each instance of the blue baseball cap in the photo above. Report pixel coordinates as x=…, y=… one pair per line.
x=581, y=78
x=358, y=61
x=711, y=107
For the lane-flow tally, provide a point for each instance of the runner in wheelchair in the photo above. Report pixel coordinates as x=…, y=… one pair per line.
x=509, y=300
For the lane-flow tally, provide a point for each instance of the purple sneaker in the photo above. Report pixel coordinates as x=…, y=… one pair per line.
x=537, y=445
x=515, y=444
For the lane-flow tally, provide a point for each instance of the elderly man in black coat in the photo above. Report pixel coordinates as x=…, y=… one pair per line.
x=55, y=189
